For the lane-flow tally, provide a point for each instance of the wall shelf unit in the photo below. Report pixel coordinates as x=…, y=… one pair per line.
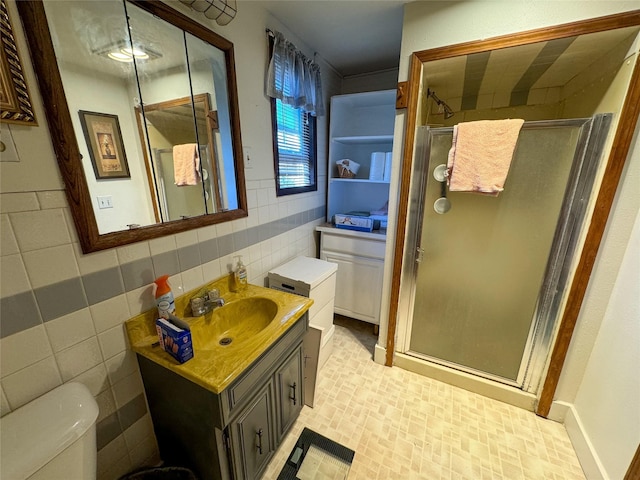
x=361, y=123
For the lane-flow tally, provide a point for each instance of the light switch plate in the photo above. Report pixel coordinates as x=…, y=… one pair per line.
x=105, y=202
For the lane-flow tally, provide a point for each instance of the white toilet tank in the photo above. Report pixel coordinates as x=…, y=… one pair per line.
x=53, y=437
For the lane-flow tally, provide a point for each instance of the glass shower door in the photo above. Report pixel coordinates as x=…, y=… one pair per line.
x=482, y=264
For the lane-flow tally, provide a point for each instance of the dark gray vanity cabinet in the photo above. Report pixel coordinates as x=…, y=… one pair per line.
x=252, y=435
x=233, y=434
x=290, y=385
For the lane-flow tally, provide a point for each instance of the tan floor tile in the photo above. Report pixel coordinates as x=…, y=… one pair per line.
x=403, y=425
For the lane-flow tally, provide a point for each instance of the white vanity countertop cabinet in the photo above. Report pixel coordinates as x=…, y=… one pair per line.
x=360, y=259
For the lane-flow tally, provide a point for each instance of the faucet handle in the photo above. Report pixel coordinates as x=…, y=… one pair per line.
x=213, y=294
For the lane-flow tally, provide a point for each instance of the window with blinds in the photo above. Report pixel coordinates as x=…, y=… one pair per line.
x=294, y=141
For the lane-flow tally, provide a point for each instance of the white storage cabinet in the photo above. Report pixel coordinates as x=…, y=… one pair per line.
x=360, y=260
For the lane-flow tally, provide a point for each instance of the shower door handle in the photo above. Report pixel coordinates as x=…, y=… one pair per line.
x=419, y=254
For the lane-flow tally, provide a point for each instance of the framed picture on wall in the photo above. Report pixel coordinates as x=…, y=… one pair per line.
x=103, y=137
x=15, y=102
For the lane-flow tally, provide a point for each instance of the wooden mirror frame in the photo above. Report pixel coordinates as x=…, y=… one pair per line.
x=65, y=142
x=604, y=197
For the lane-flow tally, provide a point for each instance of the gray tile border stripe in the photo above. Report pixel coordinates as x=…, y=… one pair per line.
x=112, y=426
x=137, y=274
x=545, y=58
x=166, y=262
x=132, y=412
x=473, y=73
x=209, y=250
x=103, y=285
x=61, y=298
x=225, y=245
x=17, y=313
x=26, y=310
x=107, y=430
x=189, y=257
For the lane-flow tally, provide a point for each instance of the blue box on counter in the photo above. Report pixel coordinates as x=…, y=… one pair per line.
x=355, y=222
x=175, y=341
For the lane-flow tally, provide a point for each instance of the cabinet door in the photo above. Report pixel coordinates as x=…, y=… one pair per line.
x=358, y=285
x=290, y=385
x=252, y=436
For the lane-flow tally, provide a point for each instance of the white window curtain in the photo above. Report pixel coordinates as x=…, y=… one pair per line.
x=293, y=78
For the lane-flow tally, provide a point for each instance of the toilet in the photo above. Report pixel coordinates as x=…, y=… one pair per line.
x=53, y=437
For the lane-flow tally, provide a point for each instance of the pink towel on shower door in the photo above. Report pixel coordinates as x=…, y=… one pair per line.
x=186, y=164
x=481, y=154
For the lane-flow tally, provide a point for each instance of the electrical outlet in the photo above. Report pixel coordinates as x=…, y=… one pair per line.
x=105, y=202
x=248, y=160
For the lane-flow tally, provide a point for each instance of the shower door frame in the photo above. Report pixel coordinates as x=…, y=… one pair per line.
x=409, y=98
x=578, y=191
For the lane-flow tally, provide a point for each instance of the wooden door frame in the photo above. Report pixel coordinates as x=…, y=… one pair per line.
x=605, y=196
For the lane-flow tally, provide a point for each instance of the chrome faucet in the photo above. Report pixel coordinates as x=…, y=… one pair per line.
x=205, y=302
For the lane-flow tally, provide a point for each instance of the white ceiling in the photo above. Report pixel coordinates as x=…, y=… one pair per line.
x=354, y=36
x=364, y=36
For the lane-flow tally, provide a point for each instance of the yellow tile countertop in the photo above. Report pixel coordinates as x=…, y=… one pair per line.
x=215, y=366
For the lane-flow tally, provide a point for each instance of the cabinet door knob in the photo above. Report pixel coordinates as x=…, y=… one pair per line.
x=259, y=433
x=295, y=401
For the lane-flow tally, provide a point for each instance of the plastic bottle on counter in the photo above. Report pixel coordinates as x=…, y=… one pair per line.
x=164, y=297
x=240, y=274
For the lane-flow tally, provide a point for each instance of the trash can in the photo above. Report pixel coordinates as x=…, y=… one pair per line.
x=160, y=473
x=315, y=279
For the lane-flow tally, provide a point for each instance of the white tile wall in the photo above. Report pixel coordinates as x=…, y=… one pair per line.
x=127, y=389
x=40, y=228
x=79, y=358
x=51, y=265
x=4, y=403
x=13, y=276
x=19, y=202
x=23, y=349
x=113, y=341
x=8, y=242
x=31, y=382
x=164, y=244
x=70, y=329
x=110, y=313
x=94, y=262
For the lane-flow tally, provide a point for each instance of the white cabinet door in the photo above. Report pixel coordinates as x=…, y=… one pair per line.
x=358, y=285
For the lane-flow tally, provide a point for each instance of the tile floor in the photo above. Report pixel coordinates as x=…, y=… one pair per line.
x=403, y=425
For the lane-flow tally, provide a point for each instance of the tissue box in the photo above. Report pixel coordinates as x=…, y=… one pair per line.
x=175, y=341
x=354, y=222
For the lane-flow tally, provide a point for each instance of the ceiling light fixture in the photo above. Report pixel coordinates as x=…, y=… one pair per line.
x=122, y=52
x=222, y=11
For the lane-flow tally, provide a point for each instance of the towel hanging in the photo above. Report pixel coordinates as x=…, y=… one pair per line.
x=481, y=154
x=186, y=164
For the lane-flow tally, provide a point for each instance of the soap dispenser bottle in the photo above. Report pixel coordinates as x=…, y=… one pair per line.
x=164, y=297
x=240, y=275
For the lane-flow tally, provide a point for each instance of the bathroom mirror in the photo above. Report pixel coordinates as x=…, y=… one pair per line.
x=128, y=86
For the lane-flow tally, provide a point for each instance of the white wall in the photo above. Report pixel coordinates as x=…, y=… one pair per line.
x=130, y=196
x=607, y=406
x=370, y=82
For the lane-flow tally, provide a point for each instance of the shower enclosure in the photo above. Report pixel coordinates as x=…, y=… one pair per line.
x=484, y=280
